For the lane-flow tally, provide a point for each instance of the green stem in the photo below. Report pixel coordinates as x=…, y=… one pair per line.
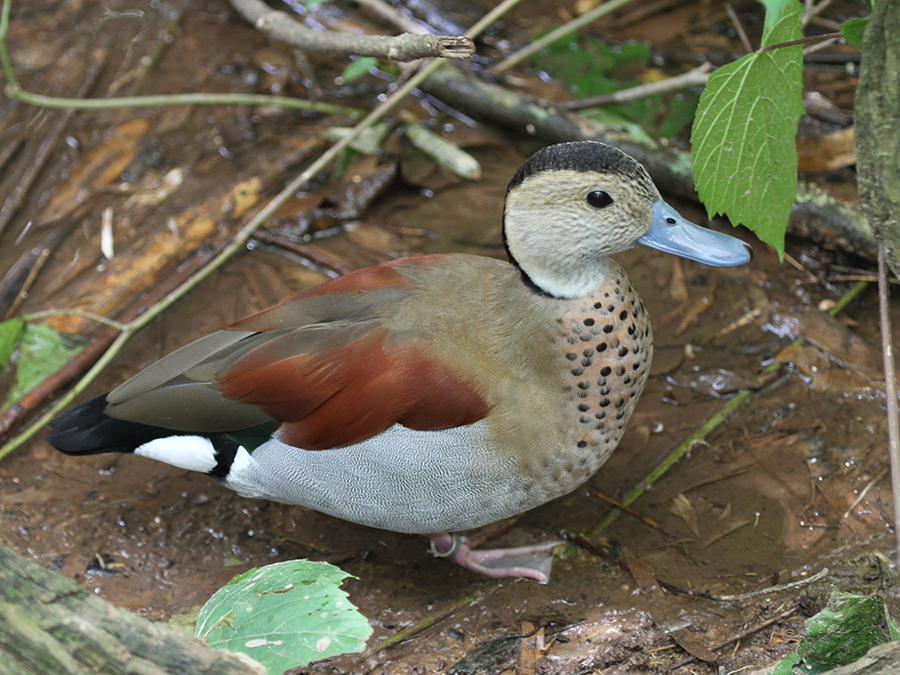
x=242, y=236
x=14, y=90
x=683, y=448
x=700, y=434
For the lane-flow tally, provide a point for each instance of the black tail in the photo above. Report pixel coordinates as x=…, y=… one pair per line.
x=83, y=429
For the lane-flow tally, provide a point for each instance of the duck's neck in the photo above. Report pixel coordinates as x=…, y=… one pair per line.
x=565, y=284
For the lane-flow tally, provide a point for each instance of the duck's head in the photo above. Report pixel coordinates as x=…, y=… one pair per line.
x=570, y=206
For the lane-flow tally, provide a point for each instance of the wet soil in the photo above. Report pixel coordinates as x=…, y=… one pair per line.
x=774, y=494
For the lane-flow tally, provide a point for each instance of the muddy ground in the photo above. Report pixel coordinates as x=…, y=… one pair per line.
x=773, y=495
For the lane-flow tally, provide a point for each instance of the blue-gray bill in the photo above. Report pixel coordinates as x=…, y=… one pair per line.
x=672, y=233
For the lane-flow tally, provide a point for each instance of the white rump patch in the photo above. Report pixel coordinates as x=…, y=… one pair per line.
x=194, y=453
x=240, y=472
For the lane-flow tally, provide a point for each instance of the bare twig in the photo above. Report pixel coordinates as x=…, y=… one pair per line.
x=890, y=379
x=386, y=11
x=812, y=39
x=631, y=512
x=15, y=91
x=562, y=31
x=279, y=26
x=99, y=344
x=13, y=200
x=736, y=22
x=243, y=234
x=693, y=78
x=740, y=636
x=821, y=574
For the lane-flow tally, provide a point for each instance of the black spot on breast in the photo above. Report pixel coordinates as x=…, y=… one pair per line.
x=623, y=351
x=623, y=314
x=571, y=356
x=588, y=353
x=588, y=322
x=584, y=385
x=586, y=362
x=600, y=414
x=582, y=444
x=601, y=347
x=620, y=371
x=598, y=305
x=577, y=371
x=602, y=382
x=583, y=407
x=610, y=307
x=608, y=328
x=605, y=370
x=605, y=402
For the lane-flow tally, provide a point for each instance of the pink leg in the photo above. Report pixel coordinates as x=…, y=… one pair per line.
x=531, y=562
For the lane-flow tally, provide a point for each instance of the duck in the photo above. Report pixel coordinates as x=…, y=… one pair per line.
x=432, y=394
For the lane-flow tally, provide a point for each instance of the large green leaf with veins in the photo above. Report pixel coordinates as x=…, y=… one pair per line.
x=745, y=153
x=285, y=615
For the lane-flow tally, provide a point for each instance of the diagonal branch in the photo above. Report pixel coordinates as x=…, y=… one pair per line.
x=279, y=26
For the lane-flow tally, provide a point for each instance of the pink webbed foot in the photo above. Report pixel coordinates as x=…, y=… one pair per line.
x=530, y=562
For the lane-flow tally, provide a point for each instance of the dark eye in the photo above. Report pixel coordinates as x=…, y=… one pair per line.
x=599, y=199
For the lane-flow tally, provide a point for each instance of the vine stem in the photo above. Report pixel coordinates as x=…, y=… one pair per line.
x=14, y=90
x=130, y=329
x=802, y=41
x=890, y=388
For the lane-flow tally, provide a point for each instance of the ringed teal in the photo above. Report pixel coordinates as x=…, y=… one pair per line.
x=430, y=394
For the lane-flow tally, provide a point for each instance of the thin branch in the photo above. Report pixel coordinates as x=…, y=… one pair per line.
x=812, y=39
x=281, y=27
x=711, y=424
x=112, y=323
x=693, y=78
x=562, y=31
x=13, y=199
x=736, y=22
x=245, y=232
x=15, y=91
x=890, y=381
x=386, y=11
x=174, y=99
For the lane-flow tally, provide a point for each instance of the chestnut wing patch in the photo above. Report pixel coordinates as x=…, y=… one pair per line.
x=354, y=384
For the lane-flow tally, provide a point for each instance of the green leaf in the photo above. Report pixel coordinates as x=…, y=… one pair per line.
x=745, y=153
x=10, y=331
x=356, y=69
x=774, y=10
x=42, y=351
x=848, y=627
x=854, y=30
x=285, y=615
x=786, y=665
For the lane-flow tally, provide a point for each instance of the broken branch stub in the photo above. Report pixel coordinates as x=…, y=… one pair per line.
x=279, y=26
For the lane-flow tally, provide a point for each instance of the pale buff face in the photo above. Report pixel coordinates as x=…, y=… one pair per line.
x=560, y=240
